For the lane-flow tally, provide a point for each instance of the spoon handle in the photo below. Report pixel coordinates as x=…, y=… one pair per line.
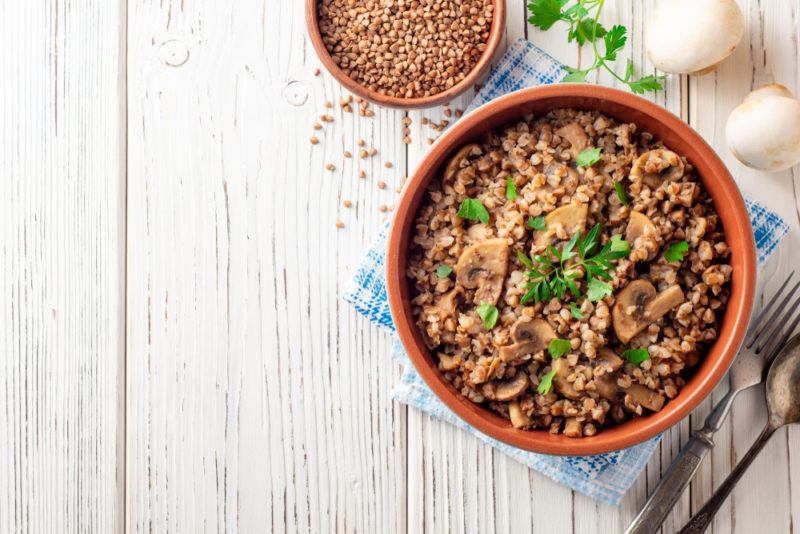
x=700, y=522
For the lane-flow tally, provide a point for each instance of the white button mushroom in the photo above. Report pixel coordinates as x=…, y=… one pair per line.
x=693, y=36
x=764, y=131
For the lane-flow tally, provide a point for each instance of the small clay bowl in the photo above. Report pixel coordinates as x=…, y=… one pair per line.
x=679, y=137
x=495, y=35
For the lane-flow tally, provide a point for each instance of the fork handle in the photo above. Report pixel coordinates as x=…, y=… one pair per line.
x=700, y=522
x=681, y=471
x=670, y=488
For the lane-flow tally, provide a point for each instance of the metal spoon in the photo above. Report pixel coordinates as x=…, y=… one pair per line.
x=783, y=405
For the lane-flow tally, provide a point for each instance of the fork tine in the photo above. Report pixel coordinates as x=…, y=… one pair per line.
x=772, y=324
x=756, y=324
x=777, y=341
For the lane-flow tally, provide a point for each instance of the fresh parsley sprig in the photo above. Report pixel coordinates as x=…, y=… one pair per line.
x=554, y=273
x=582, y=18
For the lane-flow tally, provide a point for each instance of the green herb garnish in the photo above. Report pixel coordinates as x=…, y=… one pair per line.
x=524, y=259
x=546, y=383
x=582, y=18
x=443, y=271
x=537, y=223
x=621, y=195
x=676, y=251
x=588, y=157
x=555, y=272
x=489, y=314
x=511, y=189
x=597, y=290
x=473, y=209
x=636, y=356
x=575, y=311
x=559, y=347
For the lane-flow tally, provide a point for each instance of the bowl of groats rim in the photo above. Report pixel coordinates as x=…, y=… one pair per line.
x=571, y=269
x=406, y=54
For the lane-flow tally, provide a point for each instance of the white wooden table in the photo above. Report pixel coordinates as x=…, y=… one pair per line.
x=176, y=355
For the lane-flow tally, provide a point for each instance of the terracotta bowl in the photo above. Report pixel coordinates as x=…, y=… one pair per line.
x=495, y=35
x=677, y=136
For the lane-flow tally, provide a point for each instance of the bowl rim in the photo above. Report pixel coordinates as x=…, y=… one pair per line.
x=496, y=31
x=715, y=364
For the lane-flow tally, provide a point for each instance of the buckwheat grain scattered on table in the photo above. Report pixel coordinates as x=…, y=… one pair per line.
x=405, y=48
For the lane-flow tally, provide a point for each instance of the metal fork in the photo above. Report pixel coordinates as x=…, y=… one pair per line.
x=765, y=336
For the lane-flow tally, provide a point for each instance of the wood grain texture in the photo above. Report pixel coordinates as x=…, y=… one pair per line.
x=258, y=400
x=62, y=257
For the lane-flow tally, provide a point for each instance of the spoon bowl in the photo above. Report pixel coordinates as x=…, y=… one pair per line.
x=783, y=386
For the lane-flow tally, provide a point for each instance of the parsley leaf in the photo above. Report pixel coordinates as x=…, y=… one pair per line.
x=582, y=20
x=676, y=251
x=537, y=223
x=559, y=347
x=473, y=209
x=588, y=157
x=587, y=30
x=546, y=384
x=576, y=76
x=646, y=83
x=636, y=356
x=615, y=41
x=621, y=195
x=619, y=245
x=524, y=260
x=511, y=189
x=489, y=314
x=443, y=271
x=598, y=290
x=575, y=311
x=545, y=13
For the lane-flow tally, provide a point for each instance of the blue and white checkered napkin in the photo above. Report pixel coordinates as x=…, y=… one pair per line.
x=604, y=477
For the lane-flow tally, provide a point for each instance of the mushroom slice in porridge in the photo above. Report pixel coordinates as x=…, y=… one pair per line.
x=483, y=267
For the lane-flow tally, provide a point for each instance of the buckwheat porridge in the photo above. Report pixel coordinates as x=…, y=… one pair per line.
x=568, y=272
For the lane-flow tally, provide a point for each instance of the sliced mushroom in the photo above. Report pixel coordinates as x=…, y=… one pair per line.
x=448, y=363
x=483, y=266
x=639, y=224
x=457, y=162
x=655, y=166
x=561, y=367
x=639, y=305
x=508, y=389
x=638, y=394
x=609, y=359
x=610, y=363
x=572, y=218
x=446, y=305
x=575, y=134
x=519, y=419
x=530, y=335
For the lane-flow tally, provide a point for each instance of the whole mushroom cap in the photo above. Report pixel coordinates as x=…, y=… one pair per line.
x=764, y=131
x=693, y=36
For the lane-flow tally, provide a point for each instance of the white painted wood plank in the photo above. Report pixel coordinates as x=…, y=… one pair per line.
x=62, y=258
x=258, y=400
